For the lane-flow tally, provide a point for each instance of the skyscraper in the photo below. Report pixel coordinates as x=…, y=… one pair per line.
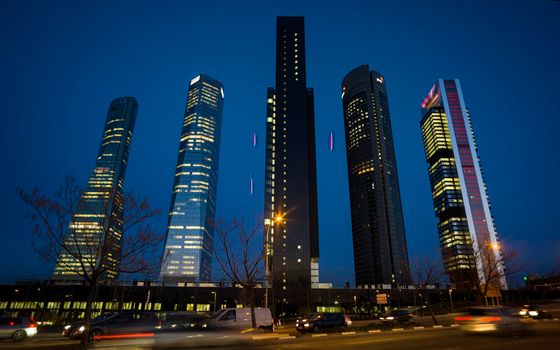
x=290, y=176
x=466, y=227
x=188, y=245
x=98, y=218
x=380, y=251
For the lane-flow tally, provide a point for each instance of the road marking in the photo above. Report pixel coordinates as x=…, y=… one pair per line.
x=265, y=336
x=348, y=333
x=319, y=335
x=437, y=326
x=288, y=337
x=418, y=327
x=374, y=331
x=398, y=329
x=455, y=325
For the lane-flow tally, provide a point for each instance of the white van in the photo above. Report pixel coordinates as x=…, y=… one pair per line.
x=240, y=319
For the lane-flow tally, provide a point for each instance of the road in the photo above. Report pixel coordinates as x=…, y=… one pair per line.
x=544, y=335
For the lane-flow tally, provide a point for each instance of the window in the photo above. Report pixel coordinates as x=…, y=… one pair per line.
x=228, y=315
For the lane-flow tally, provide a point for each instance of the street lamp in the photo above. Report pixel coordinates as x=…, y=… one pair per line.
x=451, y=299
x=277, y=219
x=215, y=296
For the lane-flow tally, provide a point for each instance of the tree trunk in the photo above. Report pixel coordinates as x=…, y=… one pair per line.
x=430, y=307
x=92, y=288
x=252, y=305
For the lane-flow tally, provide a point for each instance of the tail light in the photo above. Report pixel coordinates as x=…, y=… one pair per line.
x=32, y=325
x=463, y=318
x=12, y=323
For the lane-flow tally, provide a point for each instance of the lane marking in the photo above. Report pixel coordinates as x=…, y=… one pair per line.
x=437, y=326
x=455, y=325
x=397, y=329
x=418, y=327
x=348, y=333
x=374, y=331
x=288, y=337
x=318, y=335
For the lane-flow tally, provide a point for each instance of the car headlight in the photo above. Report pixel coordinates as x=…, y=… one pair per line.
x=306, y=324
x=522, y=312
x=81, y=329
x=67, y=326
x=390, y=318
x=533, y=313
x=204, y=325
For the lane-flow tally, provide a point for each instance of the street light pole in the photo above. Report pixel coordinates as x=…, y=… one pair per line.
x=421, y=304
x=277, y=219
x=451, y=299
x=215, y=296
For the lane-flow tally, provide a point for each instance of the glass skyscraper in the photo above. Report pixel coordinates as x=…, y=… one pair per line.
x=188, y=246
x=98, y=219
x=291, y=221
x=380, y=251
x=466, y=227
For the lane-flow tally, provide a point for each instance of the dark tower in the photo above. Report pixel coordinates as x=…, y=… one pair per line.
x=380, y=252
x=291, y=181
x=99, y=213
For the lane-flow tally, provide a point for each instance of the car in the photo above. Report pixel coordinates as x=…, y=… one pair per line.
x=183, y=320
x=491, y=319
x=240, y=318
x=397, y=316
x=123, y=323
x=323, y=321
x=17, y=328
x=71, y=330
x=534, y=312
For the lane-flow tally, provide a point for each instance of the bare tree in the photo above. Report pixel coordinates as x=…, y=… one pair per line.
x=426, y=272
x=495, y=264
x=240, y=254
x=93, y=254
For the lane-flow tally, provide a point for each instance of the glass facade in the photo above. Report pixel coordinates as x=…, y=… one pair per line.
x=290, y=175
x=380, y=250
x=97, y=223
x=188, y=246
x=466, y=228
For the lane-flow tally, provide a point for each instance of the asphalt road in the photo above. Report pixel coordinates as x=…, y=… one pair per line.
x=544, y=335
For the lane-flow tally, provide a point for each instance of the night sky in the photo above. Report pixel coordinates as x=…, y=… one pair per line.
x=62, y=62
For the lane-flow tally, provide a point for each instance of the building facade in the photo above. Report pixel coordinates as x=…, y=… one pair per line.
x=467, y=232
x=380, y=250
x=188, y=244
x=96, y=229
x=291, y=219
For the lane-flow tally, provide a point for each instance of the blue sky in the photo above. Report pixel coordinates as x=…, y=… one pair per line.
x=62, y=62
